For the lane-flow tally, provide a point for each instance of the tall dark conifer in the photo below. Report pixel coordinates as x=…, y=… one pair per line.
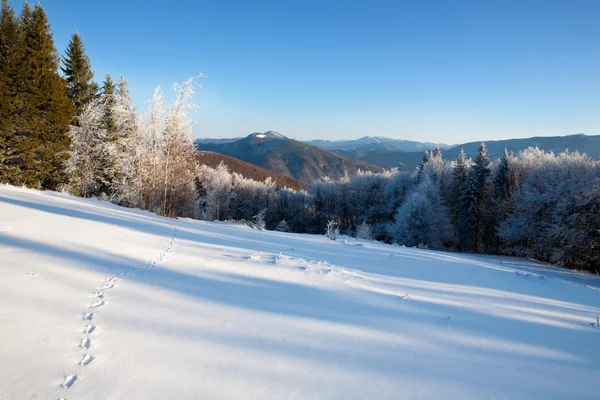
x=78, y=72
x=474, y=205
x=9, y=32
x=108, y=99
x=40, y=110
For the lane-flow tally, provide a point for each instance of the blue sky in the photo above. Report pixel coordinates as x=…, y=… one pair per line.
x=443, y=71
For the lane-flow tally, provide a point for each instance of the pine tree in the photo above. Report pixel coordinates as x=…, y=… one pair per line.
x=78, y=72
x=40, y=111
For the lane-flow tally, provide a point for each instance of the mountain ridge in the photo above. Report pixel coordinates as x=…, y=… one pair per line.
x=289, y=157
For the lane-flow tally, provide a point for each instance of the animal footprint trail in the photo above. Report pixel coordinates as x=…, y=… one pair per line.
x=85, y=343
x=99, y=300
x=97, y=303
x=69, y=381
x=88, y=358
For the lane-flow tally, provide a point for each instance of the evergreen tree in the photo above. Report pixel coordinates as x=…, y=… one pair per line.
x=424, y=161
x=79, y=75
x=108, y=99
x=502, y=184
x=9, y=28
x=39, y=107
x=458, y=188
x=9, y=31
x=474, y=205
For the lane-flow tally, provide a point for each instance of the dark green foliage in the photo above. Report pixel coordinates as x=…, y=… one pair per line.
x=502, y=184
x=78, y=73
x=9, y=30
x=474, y=206
x=36, y=108
x=108, y=99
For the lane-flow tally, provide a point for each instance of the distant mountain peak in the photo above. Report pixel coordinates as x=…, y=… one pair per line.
x=267, y=135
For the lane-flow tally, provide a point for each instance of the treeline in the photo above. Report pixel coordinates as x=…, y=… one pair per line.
x=535, y=204
x=60, y=130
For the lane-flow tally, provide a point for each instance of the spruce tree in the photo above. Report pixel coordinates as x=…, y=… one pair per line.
x=474, y=205
x=108, y=100
x=502, y=184
x=78, y=72
x=9, y=28
x=459, y=185
x=40, y=111
x=9, y=31
x=424, y=161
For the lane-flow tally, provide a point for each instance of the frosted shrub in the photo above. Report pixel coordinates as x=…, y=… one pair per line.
x=282, y=226
x=259, y=219
x=333, y=230
x=364, y=231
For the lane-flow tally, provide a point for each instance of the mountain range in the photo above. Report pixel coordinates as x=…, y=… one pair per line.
x=315, y=159
x=292, y=158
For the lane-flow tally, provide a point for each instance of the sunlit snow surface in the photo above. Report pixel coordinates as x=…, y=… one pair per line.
x=101, y=302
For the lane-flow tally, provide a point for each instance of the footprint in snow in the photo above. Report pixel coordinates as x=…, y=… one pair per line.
x=89, y=329
x=85, y=343
x=87, y=316
x=107, y=286
x=97, y=303
x=98, y=295
x=33, y=273
x=88, y=358
x=69, y=381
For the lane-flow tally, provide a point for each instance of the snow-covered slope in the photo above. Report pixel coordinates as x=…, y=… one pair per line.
x=120, y=304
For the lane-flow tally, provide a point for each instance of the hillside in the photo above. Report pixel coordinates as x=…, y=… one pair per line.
x=248, y=170
x=409, y=160
x=102, y=302
x=288, y=157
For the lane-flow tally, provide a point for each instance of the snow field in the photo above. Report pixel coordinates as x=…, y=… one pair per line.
x=101, y=302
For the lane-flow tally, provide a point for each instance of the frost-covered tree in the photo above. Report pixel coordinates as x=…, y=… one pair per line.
x=282, y=226
x=364, y=231
x=128, y=150
x=332, y=230
x=422, y=219
x=178, y=167
x=259, y=219
x=215, y=192
x=88, y=151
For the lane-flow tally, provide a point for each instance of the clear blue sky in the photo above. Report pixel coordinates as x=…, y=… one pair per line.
x=443, y=71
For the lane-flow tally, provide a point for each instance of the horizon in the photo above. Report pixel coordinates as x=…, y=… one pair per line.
x=388, y=137
x=423, y=72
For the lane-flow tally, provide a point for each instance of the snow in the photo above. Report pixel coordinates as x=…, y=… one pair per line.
x=101, y=302
x=261, y=135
